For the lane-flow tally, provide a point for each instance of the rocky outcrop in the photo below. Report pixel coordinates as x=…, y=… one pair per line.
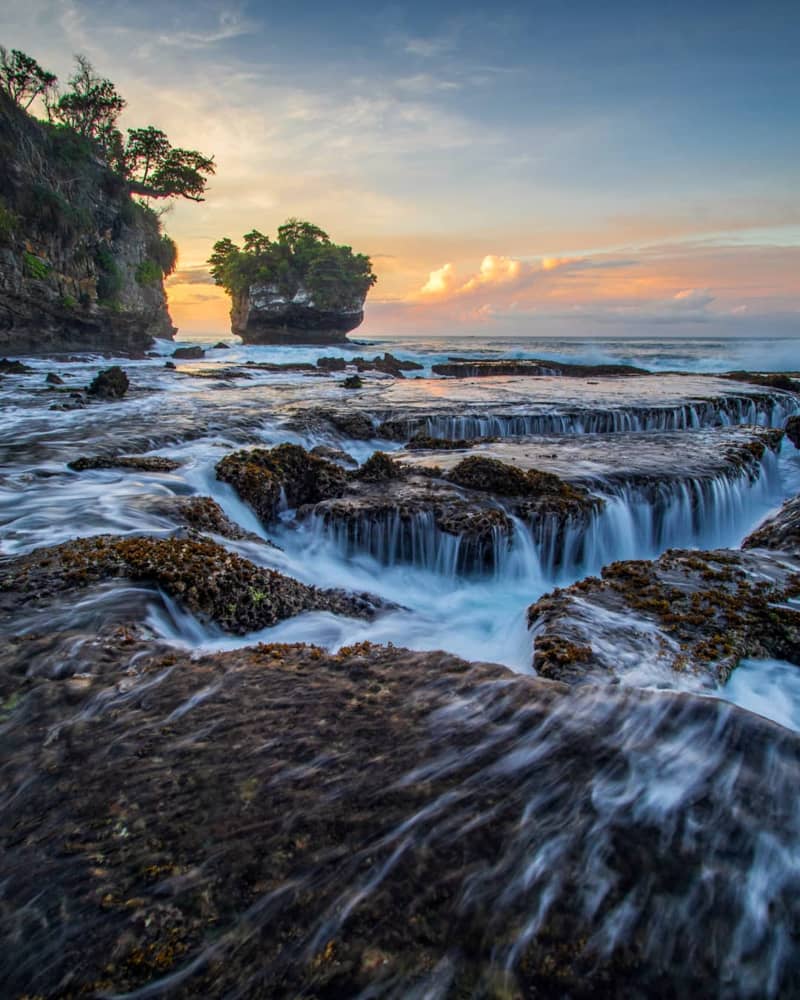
x=399, y=512
x=263, y=314
x=208, y=580
x=79, y=258
x=688, y=612
x=137, y=463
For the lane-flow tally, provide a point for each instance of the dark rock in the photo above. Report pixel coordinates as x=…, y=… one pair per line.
x=170, y=364
x=352, y=382
x=53, y=379
x=110, y=383
x=285, y=366
x=478, y=367
x=777, y=380
x=140, y=463
x=424, y=442
x=206, y=578
x=388, y=364
x=793, y=430
x=332, y=364
x=333, y=454
x=221, y=346
x=189, y=353
x=379, y=468
x=14, y=367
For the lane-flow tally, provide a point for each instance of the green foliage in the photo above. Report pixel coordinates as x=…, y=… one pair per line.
x=67, y=147
x=109, y=277
x=302, y=256
x=69, y=302
x=167, y=255
x=34, y=266
x=22, y=78
x=149, y=273
x=91, y=108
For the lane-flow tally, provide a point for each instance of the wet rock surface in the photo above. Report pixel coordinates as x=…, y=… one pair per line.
x=279, y=822
x=793, y=430
x=687, y=613
x=781, y=532
x=503, y=406
x=208, y=580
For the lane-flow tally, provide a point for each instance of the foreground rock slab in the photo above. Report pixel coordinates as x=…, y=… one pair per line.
x=282, y=822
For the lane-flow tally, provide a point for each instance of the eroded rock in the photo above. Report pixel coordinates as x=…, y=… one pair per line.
x=139, y=463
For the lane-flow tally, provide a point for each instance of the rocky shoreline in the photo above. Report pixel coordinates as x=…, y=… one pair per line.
x=214, y=811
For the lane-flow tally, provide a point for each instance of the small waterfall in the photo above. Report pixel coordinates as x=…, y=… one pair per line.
x=636, y=521
x=767, y=410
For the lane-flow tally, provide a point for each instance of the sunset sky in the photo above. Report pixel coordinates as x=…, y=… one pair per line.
x=576, y=168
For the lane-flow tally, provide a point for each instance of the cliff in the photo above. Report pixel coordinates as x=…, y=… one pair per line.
x=262, y=314
x=81, y=263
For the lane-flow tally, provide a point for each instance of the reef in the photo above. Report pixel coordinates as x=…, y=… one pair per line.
x=208, y=580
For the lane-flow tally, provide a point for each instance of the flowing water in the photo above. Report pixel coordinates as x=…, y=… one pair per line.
x=666, y=748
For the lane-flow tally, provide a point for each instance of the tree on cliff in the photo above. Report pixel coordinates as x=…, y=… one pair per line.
x=303, y=258
x=157, y=169
x=22, y=78
x=91, y=108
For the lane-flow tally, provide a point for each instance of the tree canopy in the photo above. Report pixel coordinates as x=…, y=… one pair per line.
x=22, y=78
x=91, y=107
x=302, y=256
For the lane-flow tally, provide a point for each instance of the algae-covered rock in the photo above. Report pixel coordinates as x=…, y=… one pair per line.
x=206, y=578
x=690, y=613
x=265, y=478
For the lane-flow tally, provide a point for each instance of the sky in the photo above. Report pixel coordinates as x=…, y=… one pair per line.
x=512, y=169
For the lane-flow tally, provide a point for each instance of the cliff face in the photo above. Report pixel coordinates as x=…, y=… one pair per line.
x=81, y=263
x=263, y=315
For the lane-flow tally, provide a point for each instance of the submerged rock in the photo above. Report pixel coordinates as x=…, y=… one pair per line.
x=141, y=463
x=110, y=383
x=53, y=379
x=188, y=353
x=283, y=822
x=352, y=382
x=694, y=613
x=206, y=578
x=14, y=367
